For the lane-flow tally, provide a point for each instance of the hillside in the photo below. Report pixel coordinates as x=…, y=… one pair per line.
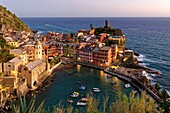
x=11, y=21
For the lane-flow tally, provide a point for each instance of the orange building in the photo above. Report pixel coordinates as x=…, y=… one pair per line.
x=102, y=56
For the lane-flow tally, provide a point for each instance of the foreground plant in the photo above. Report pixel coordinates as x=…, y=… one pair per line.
x=133, y=104
x=23, y=107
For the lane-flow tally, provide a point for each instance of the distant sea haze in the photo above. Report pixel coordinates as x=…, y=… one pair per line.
x=150, y=37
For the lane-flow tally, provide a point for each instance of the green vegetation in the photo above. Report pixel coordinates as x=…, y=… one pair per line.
x=4, y=52
x=123, y=104
x=112, y=31
x=54, y=61
x=10, y=20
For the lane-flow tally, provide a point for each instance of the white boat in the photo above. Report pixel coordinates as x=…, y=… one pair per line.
x=96, y=90
x=114, y=82
x=82, y=87
x=81, y=103
x=74, y=94
x=127, y=85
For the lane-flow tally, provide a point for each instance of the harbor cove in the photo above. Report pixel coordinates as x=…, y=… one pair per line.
x=65, y=82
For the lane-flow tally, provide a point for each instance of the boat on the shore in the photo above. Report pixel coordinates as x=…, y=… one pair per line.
x=69, y=101
x=109, y=76
x=74, y=94
x=81, y=103
x=127, y=85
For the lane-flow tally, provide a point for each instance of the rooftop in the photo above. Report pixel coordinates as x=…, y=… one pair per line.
x=87, y=48
x=15, y=60
x=17, y=51
x=104, y=48
x=34, y=64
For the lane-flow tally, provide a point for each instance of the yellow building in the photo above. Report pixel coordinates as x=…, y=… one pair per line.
x=21, y=54
x=34, y=51
x=34, y=72
x=11, y=67
x=11, y=71
x=14, y=44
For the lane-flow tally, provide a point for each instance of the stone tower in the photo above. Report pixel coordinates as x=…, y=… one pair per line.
x=38, y=50
x=107, y=24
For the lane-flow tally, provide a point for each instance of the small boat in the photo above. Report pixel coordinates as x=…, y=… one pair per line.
x=74, y=94
x=84, y=99
x=96, y=90
x=114, y=82
x=127, y=85
x=81, y=103
x=136, y=92
x=108, y=76
x=69, y=101
x=82, y=87
x=78, y=82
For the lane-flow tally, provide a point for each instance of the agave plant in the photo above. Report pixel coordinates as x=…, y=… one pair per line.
x=30, y=108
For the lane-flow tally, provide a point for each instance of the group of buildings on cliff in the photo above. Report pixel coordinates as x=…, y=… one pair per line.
x=32, y=52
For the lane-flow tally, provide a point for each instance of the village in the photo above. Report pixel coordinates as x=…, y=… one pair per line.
x=32, y=57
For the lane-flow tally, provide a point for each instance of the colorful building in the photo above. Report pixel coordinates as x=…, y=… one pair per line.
x=21, y=54
x=85, y=54
x=102, y=56
x=14, y=44
x=119, y=40
x=34, y=51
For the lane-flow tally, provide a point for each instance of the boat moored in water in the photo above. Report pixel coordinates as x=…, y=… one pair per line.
x=96, y=90
x=84, y=99
x=127, y=85
x=109, y=76
x=81, y=103
x=114, y=82
x=69, y=101
x=82, y=87
x=74, y=94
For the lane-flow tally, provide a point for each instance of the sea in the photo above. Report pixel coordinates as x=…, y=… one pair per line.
x=150, y=37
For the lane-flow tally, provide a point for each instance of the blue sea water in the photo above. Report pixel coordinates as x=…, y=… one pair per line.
x=150, y=37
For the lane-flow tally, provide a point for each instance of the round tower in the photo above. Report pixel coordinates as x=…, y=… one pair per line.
x=38, y=50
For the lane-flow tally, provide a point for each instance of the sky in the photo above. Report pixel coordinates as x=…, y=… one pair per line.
x=88, y=8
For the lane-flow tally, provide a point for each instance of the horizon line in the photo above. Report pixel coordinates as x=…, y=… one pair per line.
x=91, y=17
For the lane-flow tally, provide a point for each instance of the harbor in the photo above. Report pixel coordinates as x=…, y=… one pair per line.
x=65, y=83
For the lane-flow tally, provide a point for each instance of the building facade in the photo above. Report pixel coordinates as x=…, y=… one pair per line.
x=102, y=56
x=21, y=54
x=34, y=51
x=34, y=72
x=85, y=54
